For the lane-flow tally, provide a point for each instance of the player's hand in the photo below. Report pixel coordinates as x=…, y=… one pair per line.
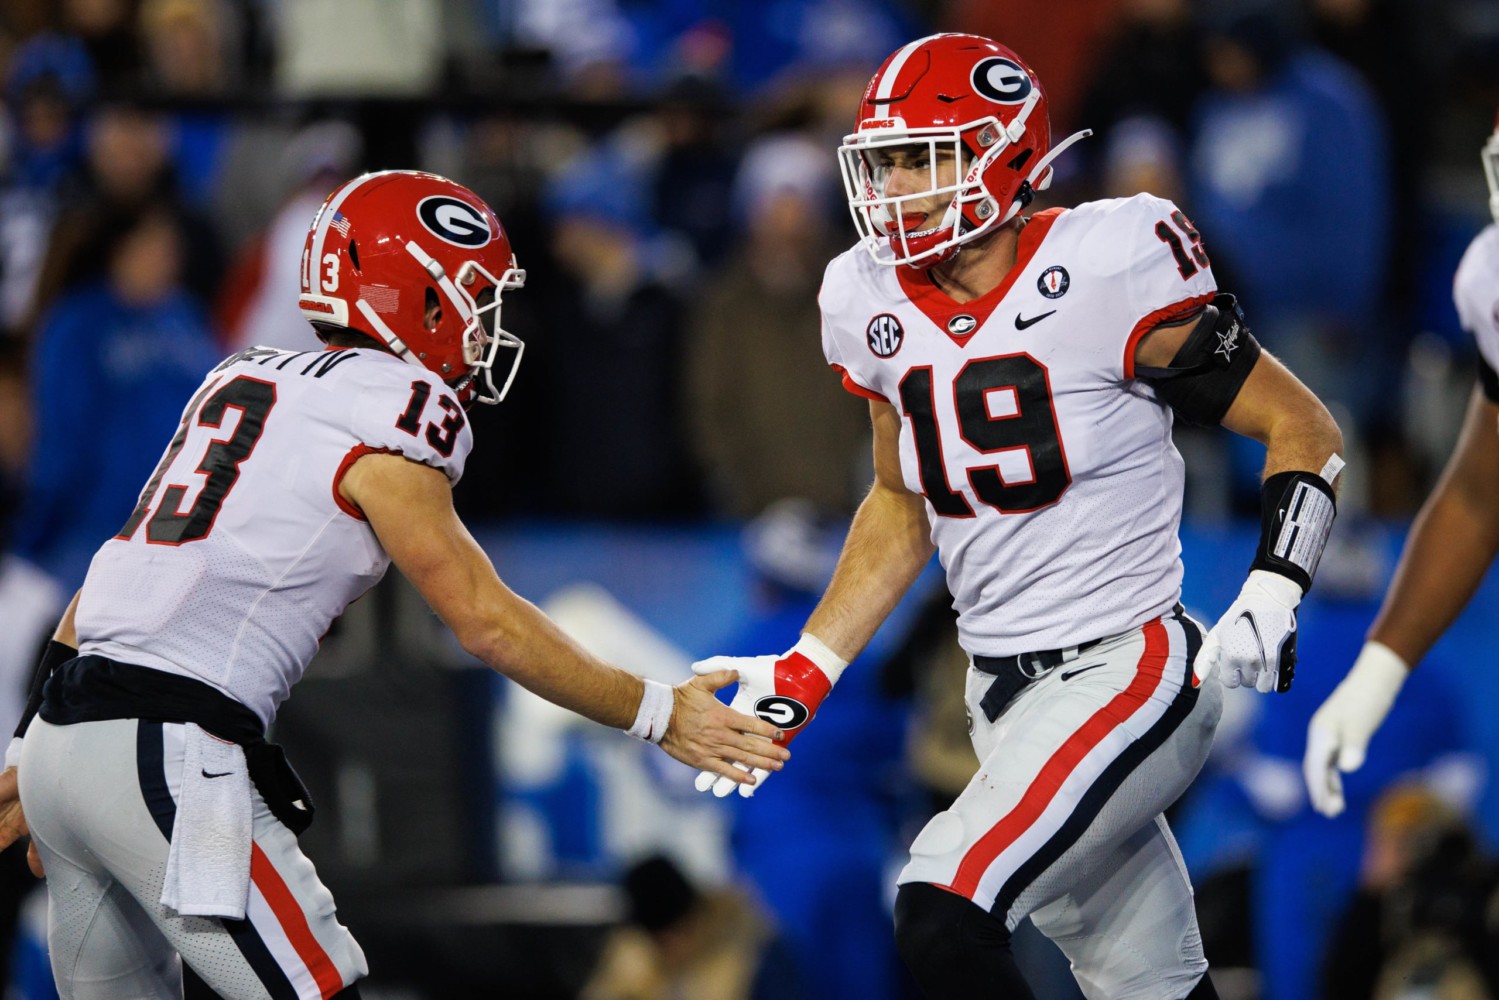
x=1254, y=643
x=705, y=733
x=13, y=821
x=785, y=689
x=1338, y=736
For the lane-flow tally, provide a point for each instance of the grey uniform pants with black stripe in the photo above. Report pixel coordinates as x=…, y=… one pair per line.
x=1063, y=820
x=100, y=800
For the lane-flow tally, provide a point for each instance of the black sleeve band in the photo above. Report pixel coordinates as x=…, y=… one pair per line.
x=1489, y=379
x=54, y=656
x=1205, y=376
x=1296, y=515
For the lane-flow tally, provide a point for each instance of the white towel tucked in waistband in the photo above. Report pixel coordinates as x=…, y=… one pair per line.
x=208, y=864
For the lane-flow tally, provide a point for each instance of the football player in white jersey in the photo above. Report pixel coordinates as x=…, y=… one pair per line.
x=1451, y=545
x=166, y=823
x=1022, y=375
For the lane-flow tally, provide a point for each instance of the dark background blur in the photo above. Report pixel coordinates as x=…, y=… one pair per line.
x=673, y=471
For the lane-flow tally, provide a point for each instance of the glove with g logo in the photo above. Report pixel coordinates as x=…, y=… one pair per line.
x=783, y=690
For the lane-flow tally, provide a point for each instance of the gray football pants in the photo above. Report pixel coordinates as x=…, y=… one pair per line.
x=100, y=799
x=1063, y=820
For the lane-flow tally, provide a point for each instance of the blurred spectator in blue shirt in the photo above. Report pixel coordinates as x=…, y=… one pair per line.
x=188, y=58
x=128, y=168
x=116, y=360
x=49, y=82
x=1290, y=186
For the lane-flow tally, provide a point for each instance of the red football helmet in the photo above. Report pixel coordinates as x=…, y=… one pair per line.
x=387, y=247
x=965, y=94
x=1491, y=169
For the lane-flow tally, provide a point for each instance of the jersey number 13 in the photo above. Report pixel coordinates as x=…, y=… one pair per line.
x=253, y=399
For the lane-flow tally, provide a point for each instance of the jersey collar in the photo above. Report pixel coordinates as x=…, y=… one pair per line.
x=942, y=310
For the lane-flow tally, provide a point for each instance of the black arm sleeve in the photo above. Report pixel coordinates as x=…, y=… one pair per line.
x=1205, y=376
x=54, y=656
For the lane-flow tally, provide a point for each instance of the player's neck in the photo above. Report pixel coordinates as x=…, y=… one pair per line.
x=980, y=266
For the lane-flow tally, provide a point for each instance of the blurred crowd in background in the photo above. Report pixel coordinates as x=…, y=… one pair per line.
x=666, y=172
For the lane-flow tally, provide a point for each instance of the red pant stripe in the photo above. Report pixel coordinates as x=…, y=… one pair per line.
x=288, y=913
x=1055, y=772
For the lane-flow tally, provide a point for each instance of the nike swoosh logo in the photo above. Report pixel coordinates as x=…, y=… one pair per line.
x=1022, y=323
x=1255, y=628
x=219, y=775
x=1067, y=675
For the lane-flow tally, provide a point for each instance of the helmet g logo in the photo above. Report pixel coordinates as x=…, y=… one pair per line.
x=778, y=710
x=1001, y=80
x=454, y=221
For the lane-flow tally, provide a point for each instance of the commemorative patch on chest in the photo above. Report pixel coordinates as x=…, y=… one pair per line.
x=884, y=335
x=1054, y=282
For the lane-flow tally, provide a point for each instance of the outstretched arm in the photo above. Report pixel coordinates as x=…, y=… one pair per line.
x=888, y=545
x=1452, y=542
x=1450, y=547
x=410, y=507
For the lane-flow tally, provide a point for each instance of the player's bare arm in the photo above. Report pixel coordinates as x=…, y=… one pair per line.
x=887, y=546
x=409, y=506
x=1452, y=543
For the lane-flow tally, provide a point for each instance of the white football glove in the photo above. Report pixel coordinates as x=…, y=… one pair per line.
x=1338, y=735
x=783, y=690
x=1254, y=643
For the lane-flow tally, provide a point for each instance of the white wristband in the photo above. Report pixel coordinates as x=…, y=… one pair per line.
x=817, y=651
x=655, y=712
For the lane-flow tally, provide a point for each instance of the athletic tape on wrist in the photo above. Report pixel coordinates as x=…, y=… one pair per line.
x=1296, y=514
x=655, y=712
x=819, y=653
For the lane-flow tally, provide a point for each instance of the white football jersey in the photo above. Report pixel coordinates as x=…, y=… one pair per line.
x=1052, y=485
x=241, y=551
x=1475, y=291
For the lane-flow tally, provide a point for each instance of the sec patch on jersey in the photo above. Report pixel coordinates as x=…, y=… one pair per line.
x=885, y=335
